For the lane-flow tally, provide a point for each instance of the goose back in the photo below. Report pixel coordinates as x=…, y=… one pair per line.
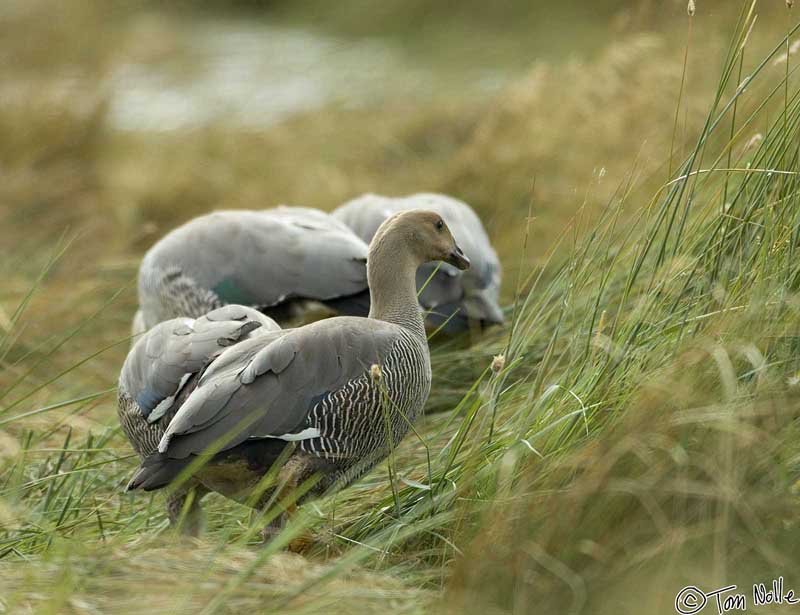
x=264, y=259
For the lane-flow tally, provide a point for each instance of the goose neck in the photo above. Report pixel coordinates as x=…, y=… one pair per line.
x=391, y=274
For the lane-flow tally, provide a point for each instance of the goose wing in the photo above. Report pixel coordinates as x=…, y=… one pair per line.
x=267, y=386
x=262, y=258
x=163, y=360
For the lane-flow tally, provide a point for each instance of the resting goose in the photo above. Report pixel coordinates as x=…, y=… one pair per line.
x=451, y=296
x=269, y=260
x=339, y=392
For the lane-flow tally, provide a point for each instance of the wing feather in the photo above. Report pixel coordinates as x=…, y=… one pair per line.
x=265, y=257
x=268, y=385
x=161, y=362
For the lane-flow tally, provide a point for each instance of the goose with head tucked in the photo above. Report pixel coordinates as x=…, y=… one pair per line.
x=326, y=401
x=453, y=298
x=273, y=260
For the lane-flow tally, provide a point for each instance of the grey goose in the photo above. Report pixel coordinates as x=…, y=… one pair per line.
x=327, y=400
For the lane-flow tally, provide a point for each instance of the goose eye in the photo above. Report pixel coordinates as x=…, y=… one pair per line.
x=439, y=225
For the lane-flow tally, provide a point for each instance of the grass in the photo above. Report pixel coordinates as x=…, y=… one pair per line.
x=641, y=434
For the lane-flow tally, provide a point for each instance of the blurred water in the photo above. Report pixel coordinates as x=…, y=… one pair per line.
x=255, y=74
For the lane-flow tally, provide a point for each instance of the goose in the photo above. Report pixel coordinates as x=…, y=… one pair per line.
x=325, y=401
x=272, y=260
x=453, y=298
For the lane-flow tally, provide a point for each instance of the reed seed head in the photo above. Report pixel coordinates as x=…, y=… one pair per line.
x=754, y=141
x=690, y=8
x=375, y=372
x=498, y=363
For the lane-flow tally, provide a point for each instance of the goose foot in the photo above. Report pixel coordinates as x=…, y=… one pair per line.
x=184, y=510
x=302, y=544
x=299, y=544
x=273, y=528
x=289, y=478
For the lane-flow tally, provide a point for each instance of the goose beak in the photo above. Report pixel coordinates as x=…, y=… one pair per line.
x=458, y=259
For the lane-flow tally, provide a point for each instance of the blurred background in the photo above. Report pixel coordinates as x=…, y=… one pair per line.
x=119, y=120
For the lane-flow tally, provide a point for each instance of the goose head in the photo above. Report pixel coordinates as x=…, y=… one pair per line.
x=424, y=234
